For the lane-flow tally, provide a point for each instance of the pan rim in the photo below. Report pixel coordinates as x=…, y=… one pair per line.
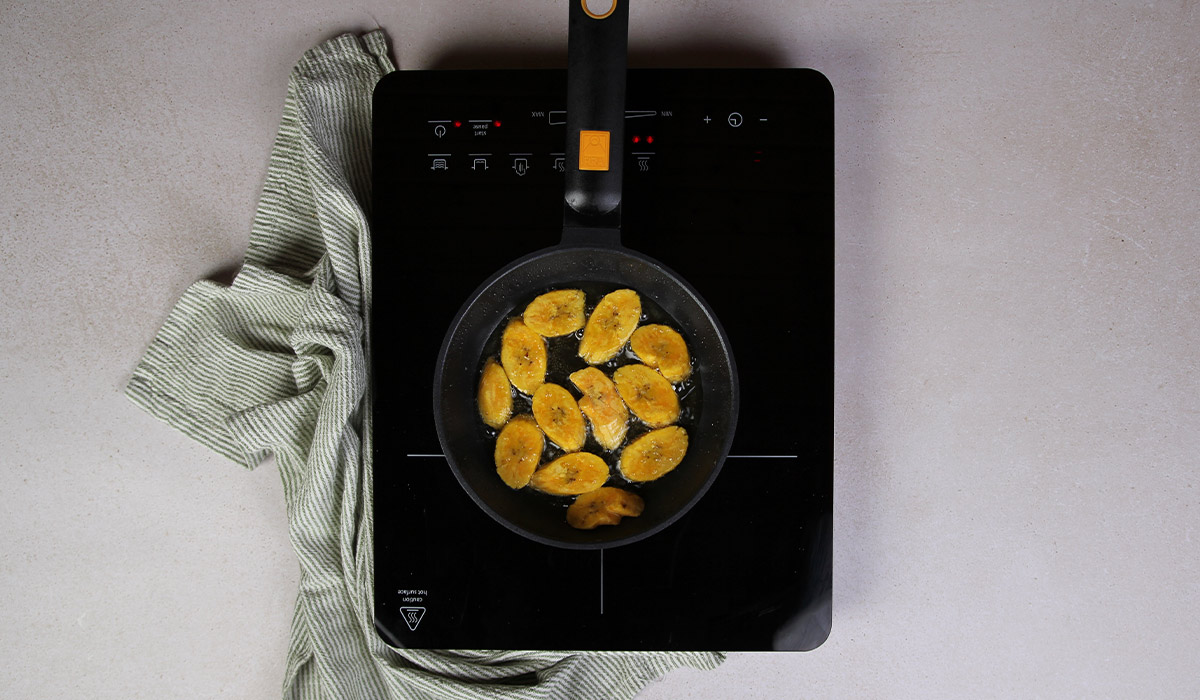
x=725, y=352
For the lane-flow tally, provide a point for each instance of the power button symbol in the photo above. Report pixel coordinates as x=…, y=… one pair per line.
x=734, y=119
x=439, y=131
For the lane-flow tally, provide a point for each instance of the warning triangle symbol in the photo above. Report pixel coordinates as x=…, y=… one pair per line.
x=412, y=617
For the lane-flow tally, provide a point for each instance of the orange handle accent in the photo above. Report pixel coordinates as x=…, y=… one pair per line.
x=602, y=13
x=593, y=150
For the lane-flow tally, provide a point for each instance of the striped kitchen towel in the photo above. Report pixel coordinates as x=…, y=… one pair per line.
x=277, y=363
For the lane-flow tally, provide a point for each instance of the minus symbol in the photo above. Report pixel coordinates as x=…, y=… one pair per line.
x=762, y=119
x=764, y=456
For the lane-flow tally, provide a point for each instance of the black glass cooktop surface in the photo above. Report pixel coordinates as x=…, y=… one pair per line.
x=729, y=182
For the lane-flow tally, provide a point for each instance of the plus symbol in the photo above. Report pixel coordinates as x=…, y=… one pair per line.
x=707, y=119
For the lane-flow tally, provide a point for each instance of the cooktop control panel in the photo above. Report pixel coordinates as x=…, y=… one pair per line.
x=521, y=143
x=504, y=152
x=728, y=180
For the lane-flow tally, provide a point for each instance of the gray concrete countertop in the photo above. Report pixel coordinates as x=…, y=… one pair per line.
x=1017, y=394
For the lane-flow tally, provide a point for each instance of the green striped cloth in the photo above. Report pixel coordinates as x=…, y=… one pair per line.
x=277, y=364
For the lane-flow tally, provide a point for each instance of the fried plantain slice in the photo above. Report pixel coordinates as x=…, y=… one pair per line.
x=662, y=348
x=495, y=395
x=654, y=454
x=610, y=325
x=570, y=475
x=556, y=313
x=604, y=506
x=523, y=355
x=518, y=450
x=648, y=394
x=603, y=407
x=558, y=416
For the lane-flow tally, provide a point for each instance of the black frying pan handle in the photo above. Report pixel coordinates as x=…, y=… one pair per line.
x=596, y=48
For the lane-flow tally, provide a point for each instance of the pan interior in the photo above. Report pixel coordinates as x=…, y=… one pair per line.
x=709, y=402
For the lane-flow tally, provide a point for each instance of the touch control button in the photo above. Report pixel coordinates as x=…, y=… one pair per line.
x=735, y=119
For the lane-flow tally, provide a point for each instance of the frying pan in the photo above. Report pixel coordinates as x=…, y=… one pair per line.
x=589, y=255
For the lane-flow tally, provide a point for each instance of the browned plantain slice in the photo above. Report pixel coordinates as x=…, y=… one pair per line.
x=556, y=313
x=604, y=506
x=523, y=355
x=648, y=394
x=610, y=325
x=569, y=475
x=654, y=454
x=603, y=407
x=558, y=416
x=518, y=450
x=663, y=348
x=495, y=395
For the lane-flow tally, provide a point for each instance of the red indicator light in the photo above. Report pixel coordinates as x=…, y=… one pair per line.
x=637, y=138
x=497, y=122
x=457, y=124
x=649, y=139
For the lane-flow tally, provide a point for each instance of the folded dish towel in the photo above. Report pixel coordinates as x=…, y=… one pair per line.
x=277, y=363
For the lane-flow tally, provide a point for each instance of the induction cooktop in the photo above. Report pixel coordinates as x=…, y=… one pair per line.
x=728, y=181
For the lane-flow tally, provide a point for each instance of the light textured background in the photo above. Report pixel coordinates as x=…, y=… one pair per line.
x=1018, y=406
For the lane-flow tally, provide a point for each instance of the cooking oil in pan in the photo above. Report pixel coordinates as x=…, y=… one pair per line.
x=562, y=360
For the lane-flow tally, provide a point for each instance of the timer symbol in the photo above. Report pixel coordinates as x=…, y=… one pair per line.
x=735, y=119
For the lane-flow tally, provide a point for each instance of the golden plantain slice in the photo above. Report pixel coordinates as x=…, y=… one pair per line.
x=518, y=450
x=558, y=416
x=495, y=395
x=556, y=313
x=523, y=355
x=604, y=506
x=570, y=475
x=654, y=454
x=663, y=348
x=648, y=394
x=610, y=325
x=602, y=406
